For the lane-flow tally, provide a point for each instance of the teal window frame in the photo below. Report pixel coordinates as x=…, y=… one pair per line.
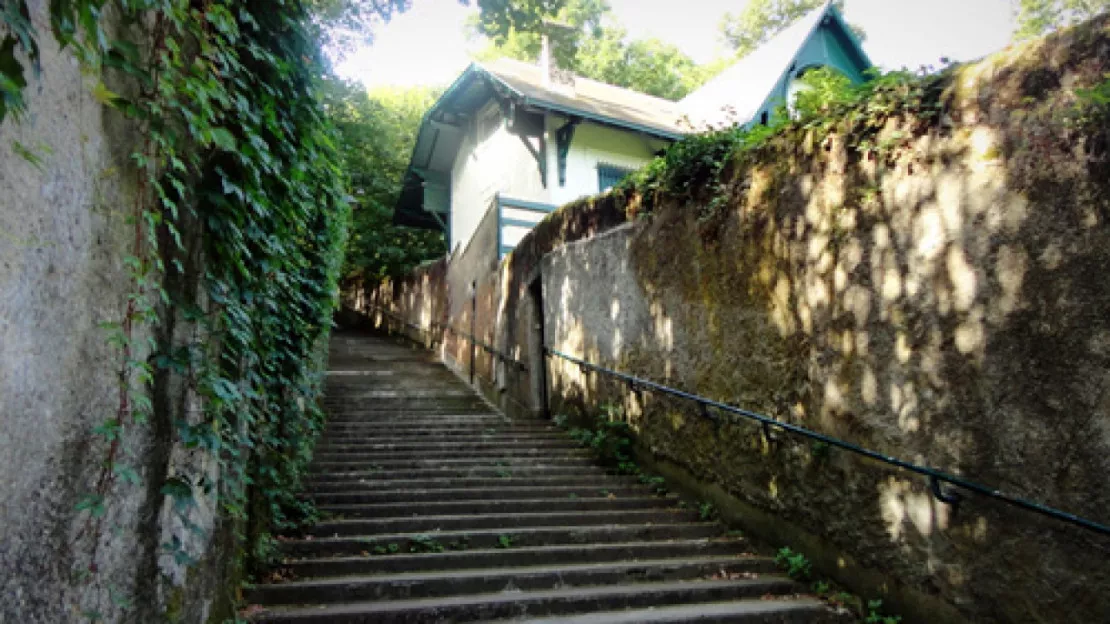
x=609, y=176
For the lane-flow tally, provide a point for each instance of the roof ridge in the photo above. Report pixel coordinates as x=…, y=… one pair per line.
x=532, y=66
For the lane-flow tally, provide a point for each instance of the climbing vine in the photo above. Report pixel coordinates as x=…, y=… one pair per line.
x=238, y=221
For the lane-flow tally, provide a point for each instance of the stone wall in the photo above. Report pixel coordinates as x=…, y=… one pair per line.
x=63, y=239
x=940, y=298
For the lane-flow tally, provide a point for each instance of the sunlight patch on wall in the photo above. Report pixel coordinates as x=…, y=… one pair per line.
x=902, y=506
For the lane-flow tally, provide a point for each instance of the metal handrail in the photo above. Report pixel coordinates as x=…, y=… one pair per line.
x=936, y=477
x=488, y=348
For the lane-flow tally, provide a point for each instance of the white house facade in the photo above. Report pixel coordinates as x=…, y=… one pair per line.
x=509, y=141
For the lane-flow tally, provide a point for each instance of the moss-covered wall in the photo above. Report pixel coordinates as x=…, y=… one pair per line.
x=928, y=282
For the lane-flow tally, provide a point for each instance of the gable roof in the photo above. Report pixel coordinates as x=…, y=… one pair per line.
x=748, y=86
x=590, y=99
x=442, y=129
x=751, y=86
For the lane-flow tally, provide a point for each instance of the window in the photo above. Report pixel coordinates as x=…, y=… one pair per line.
x=608, y=176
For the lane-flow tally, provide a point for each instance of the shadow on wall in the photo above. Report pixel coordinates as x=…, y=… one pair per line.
x=942, y=301
x=939, y=297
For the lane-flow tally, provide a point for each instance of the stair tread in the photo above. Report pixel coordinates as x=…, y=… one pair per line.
x=412, y=457
x=523, y=570
x=508, y=531
x=520, y=596
x=703, y=611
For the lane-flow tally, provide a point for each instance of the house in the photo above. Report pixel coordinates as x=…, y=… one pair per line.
x=509, y=141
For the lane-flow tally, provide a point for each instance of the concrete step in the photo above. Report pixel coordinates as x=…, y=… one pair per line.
x=476, y=471
x=414, y=404
x=461, y=522
x=494, y=452
x=531, y=505
x=444, y=436
x=320, y=467
x=546, y=602
x=452, y=494
x=441, y=426
x=600, y=481
x=506, y=579
x=347, y=440
x=517, y=556
x=340, y=418
x=492, y=538
x=801, y=610
x=439, y=509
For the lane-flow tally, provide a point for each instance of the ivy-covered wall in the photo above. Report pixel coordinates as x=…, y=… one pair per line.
x=918, y=268
x=171, y=228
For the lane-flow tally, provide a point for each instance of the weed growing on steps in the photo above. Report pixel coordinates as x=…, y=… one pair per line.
x=425, y=544
x=796, y=564
x=875, y=617
x=504, y=541
x=611, y=439
x=799, y=568
x=707, y=511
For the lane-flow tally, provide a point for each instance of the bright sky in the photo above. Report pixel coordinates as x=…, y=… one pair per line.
x=426, y=45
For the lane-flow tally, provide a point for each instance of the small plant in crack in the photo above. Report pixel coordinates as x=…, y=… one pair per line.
x=796, y=564
x=504, y=541
x=425, y=544
x=706, y=511
x=874, y=616
x=504, y=474
x=656, y=483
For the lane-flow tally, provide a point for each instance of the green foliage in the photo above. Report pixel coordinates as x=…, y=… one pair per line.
x=425, y=544
x=595, y=47
x=610, y=437
x=707, y=511
x=377, y=132
x=504, y=541
x=697, y=167
x=875, y=616
x=657, y=483
x=236, y=163
x=796, y=565
x=760, y=20
x=1039, y=17
x=498, y=18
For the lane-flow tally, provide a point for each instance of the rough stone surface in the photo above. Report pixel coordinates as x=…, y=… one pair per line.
x=940, y=298
x=63, y=241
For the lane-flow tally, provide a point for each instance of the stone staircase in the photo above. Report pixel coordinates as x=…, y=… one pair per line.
x=440, y=509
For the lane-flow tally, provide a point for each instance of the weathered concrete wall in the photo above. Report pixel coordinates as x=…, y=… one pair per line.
x=63, y=240
x=939, y=298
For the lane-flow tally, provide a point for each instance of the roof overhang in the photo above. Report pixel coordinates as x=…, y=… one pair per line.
x=442, y=130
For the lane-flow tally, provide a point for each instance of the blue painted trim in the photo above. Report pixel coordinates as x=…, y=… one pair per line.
x=506, y=250
x=518, y=223
x=524, y=204
x=500, y=243
x=602, y=119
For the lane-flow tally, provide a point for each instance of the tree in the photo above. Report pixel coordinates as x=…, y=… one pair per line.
x=377, y=131
x=763, y=19
x=1038, y=17
x=595, y=47
x=346, y=23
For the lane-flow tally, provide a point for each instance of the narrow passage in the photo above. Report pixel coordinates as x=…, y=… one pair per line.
x=440, y=509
